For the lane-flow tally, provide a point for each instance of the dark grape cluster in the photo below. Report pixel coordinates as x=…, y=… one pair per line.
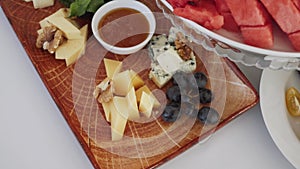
x=187, y=92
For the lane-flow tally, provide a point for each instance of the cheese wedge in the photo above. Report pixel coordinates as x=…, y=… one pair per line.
x=42, y=3
x=145, y=89
x=62, y=12
x=69, y=30
x=146, y=104
x=122, y=83
x=133, y=112
x=112, y=67
x=84, y=32
x=72, y=49
x=118, y=123
x=137, y=81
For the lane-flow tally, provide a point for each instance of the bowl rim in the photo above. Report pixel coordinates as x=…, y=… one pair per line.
x=115, y=4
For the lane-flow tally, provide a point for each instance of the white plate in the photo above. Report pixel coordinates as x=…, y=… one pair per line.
x=281, y=56
x=282, y=127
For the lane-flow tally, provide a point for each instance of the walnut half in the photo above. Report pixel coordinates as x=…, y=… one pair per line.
x=183, y=49
x=104, y=91
x=49, y=39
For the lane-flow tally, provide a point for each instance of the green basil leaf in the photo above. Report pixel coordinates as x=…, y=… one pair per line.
x=78, y=8
x=94, y=5
x=67, y=3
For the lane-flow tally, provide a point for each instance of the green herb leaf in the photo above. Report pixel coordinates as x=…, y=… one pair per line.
x=67, y=3
x=94, y=5
x=78, y=8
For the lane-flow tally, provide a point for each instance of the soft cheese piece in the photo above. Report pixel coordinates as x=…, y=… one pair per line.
x=170, y=61
x=42, y=3
x=146, y=89
x=137, y=81
x=146, y=104
x=122, y=83
x=118, y=124
x=133, y=112
x=112, y=67
x=159, y=76
x=69, y=30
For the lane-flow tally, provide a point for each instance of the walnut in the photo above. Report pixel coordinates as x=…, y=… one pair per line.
x=49, y=39
x=104, y=91
x=183, y=49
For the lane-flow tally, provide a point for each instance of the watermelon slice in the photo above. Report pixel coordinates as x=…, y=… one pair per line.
x=178, y=3
x=295, y=39
x=248, y=12
x=204, y=13
x=221, y=6
x=297, y=3
x=285, y=13
x=229, y=22
x=259, y=36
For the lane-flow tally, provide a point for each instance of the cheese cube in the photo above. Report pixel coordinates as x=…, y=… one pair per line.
x=133, y=112
x=137, y=81
x=146, y=104
x=112, y=67
x=145, y=89
x=122, y=83
x=69, y=30
x=170, y=61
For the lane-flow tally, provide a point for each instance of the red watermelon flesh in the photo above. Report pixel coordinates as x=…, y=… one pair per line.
x=297, y=3
x=259, y=36
x=204, y=14
x=248, y=12
x=295, y=39
x=229, y=22
x=178, y=3
x=221, y=6
x=284, y=13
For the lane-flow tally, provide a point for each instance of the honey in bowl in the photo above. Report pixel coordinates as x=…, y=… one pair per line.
x=124, y=27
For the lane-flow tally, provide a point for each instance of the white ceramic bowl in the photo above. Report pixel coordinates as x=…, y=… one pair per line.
x=103, y=10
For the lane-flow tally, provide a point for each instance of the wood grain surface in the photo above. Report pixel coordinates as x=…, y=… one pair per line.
x=147, y=144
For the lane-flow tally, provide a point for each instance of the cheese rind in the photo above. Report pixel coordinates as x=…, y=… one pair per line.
x=69, y=30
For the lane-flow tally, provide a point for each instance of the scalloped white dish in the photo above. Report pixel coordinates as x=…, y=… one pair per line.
x=283, y=128
x=282, y=46
x=281, y=56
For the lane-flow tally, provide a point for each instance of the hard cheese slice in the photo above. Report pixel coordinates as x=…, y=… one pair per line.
x=73, y=48
x=133, y=112
x=69, y=30
x=112, y=67
x=122, y=83
x=62, y=12
x=145, y=89
x=146, y=104
x=137, y=81
x=118, y=118
x=106, y=109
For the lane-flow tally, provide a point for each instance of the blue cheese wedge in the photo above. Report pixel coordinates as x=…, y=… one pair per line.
x=166, y=60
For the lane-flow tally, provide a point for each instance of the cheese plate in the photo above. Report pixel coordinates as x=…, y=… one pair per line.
x=71, y=87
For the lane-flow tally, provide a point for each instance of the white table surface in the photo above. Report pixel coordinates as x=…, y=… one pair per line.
x=34, y=134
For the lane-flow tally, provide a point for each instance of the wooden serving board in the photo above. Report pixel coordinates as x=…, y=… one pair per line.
x=146, y=144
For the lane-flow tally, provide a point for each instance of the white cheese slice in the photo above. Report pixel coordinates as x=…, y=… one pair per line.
x=170, y=61
x=69, y=30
